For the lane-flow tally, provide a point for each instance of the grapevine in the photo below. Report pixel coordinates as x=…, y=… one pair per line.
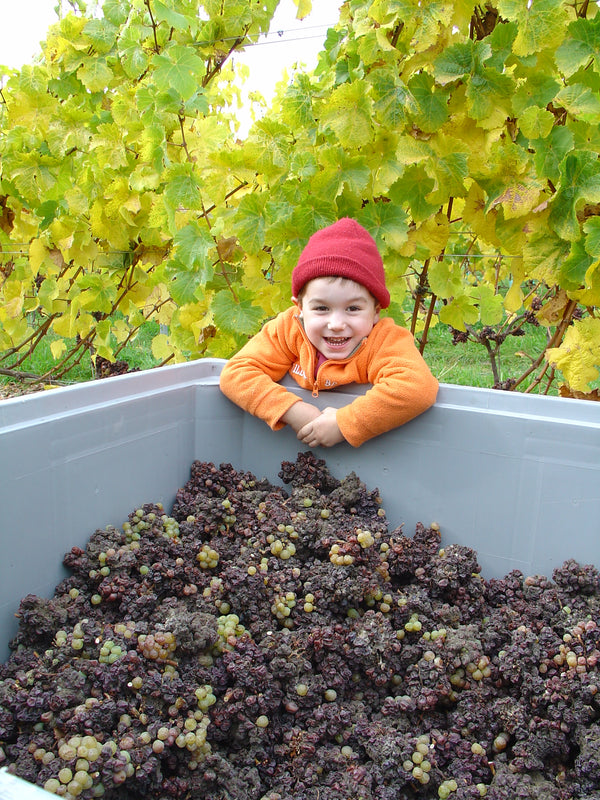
x=276, y=643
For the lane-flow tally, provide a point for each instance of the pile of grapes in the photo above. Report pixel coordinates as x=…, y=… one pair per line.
x=262, y=643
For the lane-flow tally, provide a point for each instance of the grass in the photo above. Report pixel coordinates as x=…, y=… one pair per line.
x=469, y=364
x=465, y=364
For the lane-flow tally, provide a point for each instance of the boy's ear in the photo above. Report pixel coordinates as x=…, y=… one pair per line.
x=297, y=302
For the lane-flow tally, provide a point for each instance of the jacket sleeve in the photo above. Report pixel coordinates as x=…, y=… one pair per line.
x=249, y=379
x=402, y=388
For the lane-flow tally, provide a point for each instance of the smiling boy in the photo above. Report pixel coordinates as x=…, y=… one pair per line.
x=333, y=335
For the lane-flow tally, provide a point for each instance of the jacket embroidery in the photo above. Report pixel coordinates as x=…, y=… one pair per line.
x=297, y=370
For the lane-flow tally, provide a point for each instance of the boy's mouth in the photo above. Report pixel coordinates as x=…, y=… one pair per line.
x=337, y=341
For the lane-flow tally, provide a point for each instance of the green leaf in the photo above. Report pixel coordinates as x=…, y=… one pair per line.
x=182, y=189
x=412, y=189
x=491, y=305
x=97, y=293
x=237, y=315
x=489, y=96
x=580, y=102
x=185, y=282
x=47, y=293
x=350, y=171
x=459, y=312
x=297, y=103
x=386, y=222
x=178, y=68
x=445, y=278
x=550, y=152
x=314, y=213
x=456, y=61
x=102, y=34
x=581, y=46
x=452, y=171
x=541, y=23
x=95, y=74
x=175, y=20
x=580, y=182
x=250, y=223
x=134, y=61
x=303, y=164
x=592, y=239
x=544, y=254
x=116, y=11
x=573, y=269
x=348, y=114
x=392, y=101
x=536, y=123
x=537, y=90
x=268, y=147
x=432, y=104
x=193, y=246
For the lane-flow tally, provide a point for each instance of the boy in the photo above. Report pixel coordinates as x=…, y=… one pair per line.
x=332, y=335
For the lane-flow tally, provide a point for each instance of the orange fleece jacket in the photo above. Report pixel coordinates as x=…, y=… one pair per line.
x=402, y=385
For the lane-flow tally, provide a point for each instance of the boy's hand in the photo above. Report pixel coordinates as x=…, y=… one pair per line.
x=299, y=415
x=322, y=430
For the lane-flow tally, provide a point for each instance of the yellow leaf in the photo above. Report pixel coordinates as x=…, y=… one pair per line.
x=57, y=348
x=13, y=298
x=578, y=357
x=432, y=235
x=518, y=199
x=481, y=223
x=411, y=151
x=132, y=312
x=15, y=327
x=43, y=260
x=85, y=324
x=105, y=351
x=590, y=296
x=304, y=8
x=120, y=330
x=37, y=254
x=553, y=310
x=161, y=349
x=65, y=325
x=77, y=200
x=63, y=232
x=513, y=299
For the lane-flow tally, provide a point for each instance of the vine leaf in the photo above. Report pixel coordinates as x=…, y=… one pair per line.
x=579, y=354
x=178, y=68
x=241, y=317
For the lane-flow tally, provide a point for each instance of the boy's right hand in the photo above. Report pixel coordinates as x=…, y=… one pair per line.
x=299, y=415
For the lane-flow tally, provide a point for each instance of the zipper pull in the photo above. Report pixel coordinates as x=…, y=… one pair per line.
x=315, y=389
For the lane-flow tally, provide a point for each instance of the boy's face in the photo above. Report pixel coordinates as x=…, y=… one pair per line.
x=337, y=314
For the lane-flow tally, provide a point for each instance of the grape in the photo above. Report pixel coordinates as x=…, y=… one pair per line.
x=284, y=644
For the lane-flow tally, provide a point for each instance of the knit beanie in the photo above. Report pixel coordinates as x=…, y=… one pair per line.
x=345, y=250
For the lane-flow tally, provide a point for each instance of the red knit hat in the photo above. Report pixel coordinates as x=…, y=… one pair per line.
x=345, y=250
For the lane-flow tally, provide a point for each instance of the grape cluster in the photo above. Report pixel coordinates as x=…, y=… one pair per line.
x=271, y=643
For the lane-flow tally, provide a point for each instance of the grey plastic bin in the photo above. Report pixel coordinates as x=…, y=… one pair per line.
x=516, y=477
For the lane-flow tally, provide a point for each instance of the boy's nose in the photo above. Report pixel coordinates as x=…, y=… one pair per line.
x=336, y=322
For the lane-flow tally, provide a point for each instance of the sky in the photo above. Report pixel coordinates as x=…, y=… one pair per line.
x=24, y=23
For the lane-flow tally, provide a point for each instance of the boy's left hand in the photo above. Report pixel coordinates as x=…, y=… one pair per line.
x=322, y=431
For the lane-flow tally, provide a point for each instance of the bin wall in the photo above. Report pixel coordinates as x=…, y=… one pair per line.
x=513, y=476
